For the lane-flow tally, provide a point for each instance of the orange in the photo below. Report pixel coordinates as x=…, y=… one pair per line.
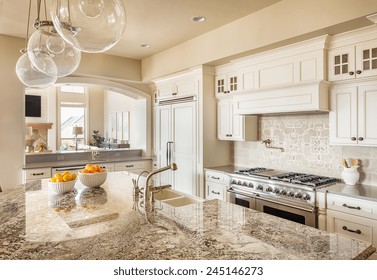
x=73, y=176
x=67, y=177
x=65, y=173
x=88, y=166
x=53, y=179
x=92, y=169
x=60, y=180
x=58, y=175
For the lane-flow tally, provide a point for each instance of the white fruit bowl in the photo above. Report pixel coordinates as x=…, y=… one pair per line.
x=61, y=187
x=92, y=180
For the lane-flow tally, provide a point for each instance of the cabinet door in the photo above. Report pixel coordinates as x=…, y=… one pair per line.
x=186, y=87
x=223, y=121
x=165, y=90
x=232, y=81
x=215, y=191
x=342, y=63
x=367, y=115
x=366, y=59
x=184, y=147
x=343, y=116
x=237, y=124
x=221, y=87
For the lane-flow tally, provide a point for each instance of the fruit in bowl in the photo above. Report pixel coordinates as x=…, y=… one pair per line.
x=92, y=176
x=62, y=182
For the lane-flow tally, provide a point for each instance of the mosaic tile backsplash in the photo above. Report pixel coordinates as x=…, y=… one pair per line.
x=305, y=140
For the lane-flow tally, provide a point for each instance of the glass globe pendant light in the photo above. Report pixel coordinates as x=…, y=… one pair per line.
x=47, y=48
x=30, y=76
x=90, y=25
x=26, y=72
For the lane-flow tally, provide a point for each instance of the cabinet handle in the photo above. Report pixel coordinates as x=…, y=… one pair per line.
x=38, y=174
x=351, y=73
x=350, y=230
x=361, y=138
x=216, y=178
x=129, y=166
x=358, y=72
x=353, y=138
x=215, y=192
x=351, y=207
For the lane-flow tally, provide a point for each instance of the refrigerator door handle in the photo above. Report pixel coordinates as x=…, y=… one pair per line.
x=168, y=152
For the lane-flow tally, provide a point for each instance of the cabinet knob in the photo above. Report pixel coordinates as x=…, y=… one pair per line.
x=351, y=73
x=358, y=72
x=361, y=138
x=215, y=192
x=353, y=138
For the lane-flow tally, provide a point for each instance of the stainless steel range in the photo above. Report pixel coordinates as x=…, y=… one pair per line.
x=287, y=195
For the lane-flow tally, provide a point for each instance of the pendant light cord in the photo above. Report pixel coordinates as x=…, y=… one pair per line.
x=27, y=29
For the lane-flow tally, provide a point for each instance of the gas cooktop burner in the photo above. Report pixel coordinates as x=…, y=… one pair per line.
x=254, y=170
x=304, y=179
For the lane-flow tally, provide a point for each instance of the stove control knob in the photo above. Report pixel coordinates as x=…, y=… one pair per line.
x=233, y=182
x=251, y=185
x=276, y=190
x=298, y=195
x=283, y=192
x=306, y=197
x=268, y=189
x=239, y=183
x=244, y=184
x=291, y=194
x=260, y=187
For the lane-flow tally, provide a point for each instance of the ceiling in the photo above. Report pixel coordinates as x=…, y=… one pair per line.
x=159, y=23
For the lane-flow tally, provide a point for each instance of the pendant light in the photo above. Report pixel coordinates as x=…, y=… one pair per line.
x=26, y=72
x=48, y=52
x=90, y=25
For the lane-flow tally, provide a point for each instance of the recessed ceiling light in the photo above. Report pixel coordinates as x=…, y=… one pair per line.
x=198, y=19
x=145, y=46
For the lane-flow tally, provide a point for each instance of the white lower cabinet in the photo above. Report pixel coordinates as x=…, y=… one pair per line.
x=216, y=184
x=352, y=217
x=135, y=167
x=29, y=175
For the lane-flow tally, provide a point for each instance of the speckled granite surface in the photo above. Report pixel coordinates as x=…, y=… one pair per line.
x=101, y=224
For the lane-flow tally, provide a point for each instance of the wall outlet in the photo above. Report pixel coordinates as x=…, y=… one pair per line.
x=60, y=158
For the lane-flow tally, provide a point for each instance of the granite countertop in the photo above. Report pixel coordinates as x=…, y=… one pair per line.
x=100, y=223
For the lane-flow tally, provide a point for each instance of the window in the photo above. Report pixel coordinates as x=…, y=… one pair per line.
x=72, y=112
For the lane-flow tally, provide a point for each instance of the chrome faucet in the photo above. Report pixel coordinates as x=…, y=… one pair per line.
x=149, y=190
x=94, y=155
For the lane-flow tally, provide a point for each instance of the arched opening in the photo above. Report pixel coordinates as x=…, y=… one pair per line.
x=105, y=100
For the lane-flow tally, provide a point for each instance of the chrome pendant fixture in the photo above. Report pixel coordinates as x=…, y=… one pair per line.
x=89, y=25
x=46, y=48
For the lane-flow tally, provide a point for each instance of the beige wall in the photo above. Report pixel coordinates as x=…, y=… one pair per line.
x=96, y=111
x=285, y=20
x=11, y=114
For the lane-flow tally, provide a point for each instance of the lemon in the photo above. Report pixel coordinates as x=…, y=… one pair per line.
x=53, y=179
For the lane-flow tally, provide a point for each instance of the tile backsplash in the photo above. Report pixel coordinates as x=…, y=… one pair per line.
x=305, y=140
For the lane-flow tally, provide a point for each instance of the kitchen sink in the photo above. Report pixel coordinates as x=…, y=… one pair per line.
x=181, y=201
x=166, y=194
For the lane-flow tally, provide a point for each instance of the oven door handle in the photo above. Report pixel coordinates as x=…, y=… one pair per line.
x=243, y=193
x=311, y=210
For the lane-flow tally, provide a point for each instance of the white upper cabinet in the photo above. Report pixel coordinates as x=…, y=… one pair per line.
x=353, y=54
x=235, y=127
x=353, y=61
x=353, y=115
x=226, y=83
x=177, y=88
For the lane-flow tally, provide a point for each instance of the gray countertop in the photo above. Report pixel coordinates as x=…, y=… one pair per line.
x=100, y=223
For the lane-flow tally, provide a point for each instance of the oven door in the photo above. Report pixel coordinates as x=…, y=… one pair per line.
x=245, y=200
x=300, y=215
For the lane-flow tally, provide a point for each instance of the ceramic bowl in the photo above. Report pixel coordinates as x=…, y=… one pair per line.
x=61, y=187
x=92, y=180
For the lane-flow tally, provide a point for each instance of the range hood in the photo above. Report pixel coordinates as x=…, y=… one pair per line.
x=306, y=97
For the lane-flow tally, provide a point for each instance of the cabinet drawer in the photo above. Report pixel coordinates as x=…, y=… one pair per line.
x=35, y=174
x=352, y=206
x=215, y=191
x=131, y=165
x=217, y=177
x=358, y=228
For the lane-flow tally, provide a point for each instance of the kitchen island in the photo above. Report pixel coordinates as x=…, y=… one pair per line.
x=104, y=223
